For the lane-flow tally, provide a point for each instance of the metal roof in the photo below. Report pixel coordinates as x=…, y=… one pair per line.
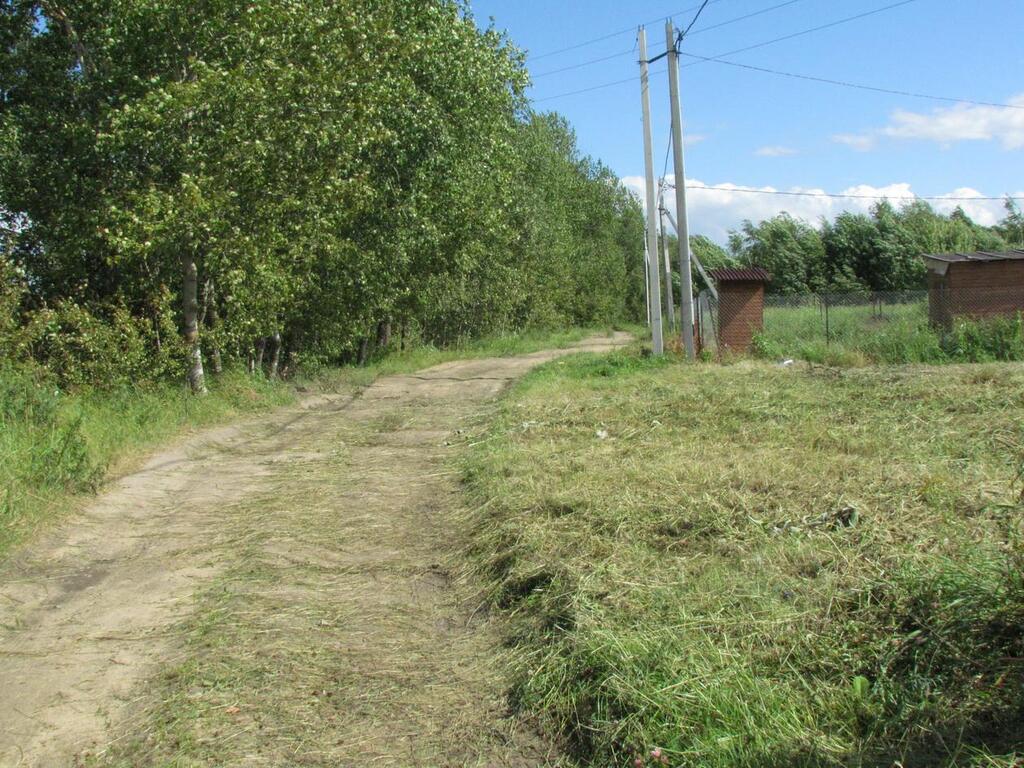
x=740, y=275
x=1015, y=255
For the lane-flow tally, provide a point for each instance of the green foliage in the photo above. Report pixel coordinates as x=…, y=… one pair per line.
x=326, y=166
x=789, y=249
x=856, y=252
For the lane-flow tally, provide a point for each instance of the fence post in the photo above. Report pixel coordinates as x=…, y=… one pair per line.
x=828, y=335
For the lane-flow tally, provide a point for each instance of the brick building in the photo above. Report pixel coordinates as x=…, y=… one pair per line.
x=976, y=285
x=740, y=305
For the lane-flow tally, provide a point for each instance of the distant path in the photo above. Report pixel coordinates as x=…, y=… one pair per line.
x=87, y=612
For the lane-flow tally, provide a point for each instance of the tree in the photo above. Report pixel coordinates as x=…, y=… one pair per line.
x=790, y=249
x=299, y=171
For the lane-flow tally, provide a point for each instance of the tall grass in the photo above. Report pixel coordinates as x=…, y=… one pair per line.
x=893, y=333
x=752, y=566
x=56, y=446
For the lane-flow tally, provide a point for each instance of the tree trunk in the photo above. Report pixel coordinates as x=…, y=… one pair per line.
x=401, y=333
x=383, y=334
x=213, y=322
x=261, y=346
x=364, y=351
x=190, y=309
x=275, y=355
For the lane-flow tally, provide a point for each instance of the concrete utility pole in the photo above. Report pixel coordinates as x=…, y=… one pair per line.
x=653, y=271
x=670, y=308
x=647, y=280
x=694, y=259
x=683, y=227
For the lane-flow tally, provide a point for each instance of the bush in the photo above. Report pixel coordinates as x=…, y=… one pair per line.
x=99, y=347
x=995, y=338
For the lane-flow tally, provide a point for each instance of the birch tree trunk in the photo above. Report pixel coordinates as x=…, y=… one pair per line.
x=275, y=355
x=213, y=318
x=383, y=334
x=190, y=309
x=261, y=346
x=364, y=351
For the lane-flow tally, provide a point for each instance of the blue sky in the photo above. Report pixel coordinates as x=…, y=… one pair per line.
x=756, y=130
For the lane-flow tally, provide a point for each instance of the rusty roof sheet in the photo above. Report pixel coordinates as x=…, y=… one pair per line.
x=1014, y=255
x=740, y=275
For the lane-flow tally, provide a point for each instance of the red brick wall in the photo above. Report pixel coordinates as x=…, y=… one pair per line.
x=985, y=289
x=740, y=313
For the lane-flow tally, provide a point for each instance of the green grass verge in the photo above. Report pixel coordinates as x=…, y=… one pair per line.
x=751, y=565
x=57, y=447
x=889, y=334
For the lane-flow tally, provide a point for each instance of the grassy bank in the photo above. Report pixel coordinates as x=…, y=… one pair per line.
x=887, y=334
x=57, y=447
x=760, y=566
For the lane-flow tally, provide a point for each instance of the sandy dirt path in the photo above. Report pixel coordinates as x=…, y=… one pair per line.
x=353, y=513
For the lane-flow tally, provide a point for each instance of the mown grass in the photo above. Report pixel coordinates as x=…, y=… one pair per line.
x=890, y=334
x=57, y=447
x=750, y=565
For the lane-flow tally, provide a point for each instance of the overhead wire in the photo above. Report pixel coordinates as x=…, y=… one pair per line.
x=610, y=35
x=693, y=21
x=844, y=196
x=810, y=30
x=721, y=56
x=846, y=84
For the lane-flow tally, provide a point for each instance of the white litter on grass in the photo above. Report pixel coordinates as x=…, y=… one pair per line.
x=785, y=362
x=602, y=434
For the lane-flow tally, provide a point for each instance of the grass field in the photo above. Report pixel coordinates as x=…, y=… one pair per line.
x=57, y=447
x=749, y=565
x=892, y=333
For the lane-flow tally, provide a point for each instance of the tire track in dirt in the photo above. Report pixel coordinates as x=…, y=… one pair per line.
x=87, y=611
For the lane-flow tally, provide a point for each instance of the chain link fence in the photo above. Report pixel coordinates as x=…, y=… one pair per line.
x=887, y=326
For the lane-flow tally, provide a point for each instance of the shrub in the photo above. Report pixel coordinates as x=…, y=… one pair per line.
x=102, y=347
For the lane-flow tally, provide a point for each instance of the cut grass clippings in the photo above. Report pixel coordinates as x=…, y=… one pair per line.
x=754, y=565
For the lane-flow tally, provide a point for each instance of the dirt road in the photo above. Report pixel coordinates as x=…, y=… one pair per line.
x=274, y=593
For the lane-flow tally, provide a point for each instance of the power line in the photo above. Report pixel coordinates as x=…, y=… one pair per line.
x=846, y=84
x=852, y=196
x=809, y=31
x=692, y=21
x=583, y=64
x=727, y=22
x=699, y=31
x=744, y=17
x=668, y=150
x=614, y=34
x=592, y=88
x=718, y=57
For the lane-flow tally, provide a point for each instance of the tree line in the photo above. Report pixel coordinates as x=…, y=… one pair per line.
x=188, y=185
x=854, y=252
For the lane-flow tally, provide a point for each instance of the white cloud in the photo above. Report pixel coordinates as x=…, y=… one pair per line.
x=948, y=125
x=694, y=138
x=862, y=142
x=715, y=209
x=775, y=151
x=963, y=122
